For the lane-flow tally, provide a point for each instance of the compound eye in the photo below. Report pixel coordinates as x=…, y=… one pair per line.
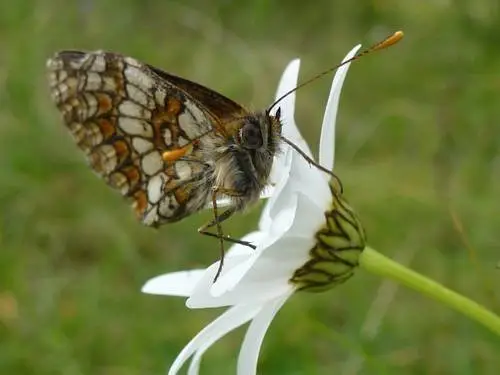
x=251, y=137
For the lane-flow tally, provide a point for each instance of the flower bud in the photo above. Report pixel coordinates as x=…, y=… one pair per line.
x=336, y=252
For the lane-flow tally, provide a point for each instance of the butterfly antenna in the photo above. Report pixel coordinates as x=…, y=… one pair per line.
x=387, y=42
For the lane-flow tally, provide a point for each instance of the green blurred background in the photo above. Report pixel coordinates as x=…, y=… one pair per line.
x=418, y=152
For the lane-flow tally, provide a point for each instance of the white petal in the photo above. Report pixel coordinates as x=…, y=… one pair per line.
x=249, y=353
x=229, y=279
x=194, y=366
x=278, y=199
x=279, y=256
x=287, y=83
x=179, y=283
x=310, y=216
x=276, y=265
x=308, y=180
x=327, y=140
x=257, y=292
x=261, y=277
x=229, y=320
x=300, y=178
x=183, y=283
x=237, y=249
x=280, y=259
x=280, y=210
x=200, y=296
x=253, y=290
x=282, y=215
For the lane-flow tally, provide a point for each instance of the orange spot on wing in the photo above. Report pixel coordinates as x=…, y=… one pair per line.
x=173, y=155
x=173, y=106
x=160, y=121
x=121, y=149
x=104, y=103
x=166, y=118
x=107, y=128
x=181, y=195
x=133, y=175
x=161, y=118
x=140, y=203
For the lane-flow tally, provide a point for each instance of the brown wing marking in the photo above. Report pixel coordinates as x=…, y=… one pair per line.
x=124, y=117
x=225, y=111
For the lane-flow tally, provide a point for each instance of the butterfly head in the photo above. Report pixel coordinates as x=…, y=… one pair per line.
x=260, y=133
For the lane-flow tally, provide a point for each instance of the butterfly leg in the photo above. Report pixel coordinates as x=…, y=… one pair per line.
x=222, y=217
x=216, y=222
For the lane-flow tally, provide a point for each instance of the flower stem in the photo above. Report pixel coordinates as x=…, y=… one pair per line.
x=376, y=263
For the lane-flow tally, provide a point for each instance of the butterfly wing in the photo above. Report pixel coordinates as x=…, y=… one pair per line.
x=221, y=106
x=123, y=116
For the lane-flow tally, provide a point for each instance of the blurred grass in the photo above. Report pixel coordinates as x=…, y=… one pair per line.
x=418, y=152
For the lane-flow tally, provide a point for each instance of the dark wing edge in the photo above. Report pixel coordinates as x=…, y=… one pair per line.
x=219, y=105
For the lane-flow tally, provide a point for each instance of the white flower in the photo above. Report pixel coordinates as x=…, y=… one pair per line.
x=302, y=226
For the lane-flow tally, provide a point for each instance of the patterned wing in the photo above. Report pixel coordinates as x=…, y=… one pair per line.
x=124, y=116
x=220, y=106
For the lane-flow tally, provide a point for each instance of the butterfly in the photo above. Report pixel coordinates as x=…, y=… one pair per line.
x=172, y=146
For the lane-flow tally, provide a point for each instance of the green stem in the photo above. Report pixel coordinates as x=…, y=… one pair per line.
x=378, y=264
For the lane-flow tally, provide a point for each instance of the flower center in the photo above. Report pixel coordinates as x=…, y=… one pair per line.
x=338, y=246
